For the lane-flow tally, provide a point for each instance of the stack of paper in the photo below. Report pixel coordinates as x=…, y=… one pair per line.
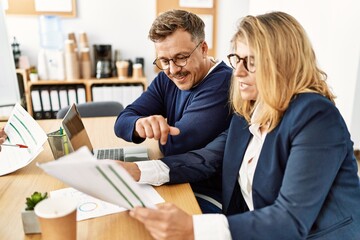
x=21, y=128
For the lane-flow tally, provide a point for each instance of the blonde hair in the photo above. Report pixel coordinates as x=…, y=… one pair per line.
x=285, y=66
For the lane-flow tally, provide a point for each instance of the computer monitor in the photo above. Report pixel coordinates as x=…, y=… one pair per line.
x=9, y=87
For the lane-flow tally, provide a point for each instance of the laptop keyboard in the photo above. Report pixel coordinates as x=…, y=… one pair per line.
x=115, y=154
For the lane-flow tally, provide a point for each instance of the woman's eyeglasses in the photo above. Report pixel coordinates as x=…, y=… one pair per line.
x=248, y=62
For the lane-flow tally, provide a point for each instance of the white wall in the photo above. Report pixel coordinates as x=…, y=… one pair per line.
x=123, y=24
x=334, y=29
x=229, y=13
x=332, y=25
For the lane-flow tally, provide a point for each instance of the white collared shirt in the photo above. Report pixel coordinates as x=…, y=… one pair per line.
x=249, y=163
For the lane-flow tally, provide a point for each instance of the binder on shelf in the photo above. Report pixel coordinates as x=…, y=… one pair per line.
x=48, y=99
x=127, y=95
x=136, y=91
x=107, y=93
x=36, y=103
x=46, y=105
x=63, y=96
x=71, y=91
x=117, y=92
x=81, y=94
x=55, y=101
x=97, y=93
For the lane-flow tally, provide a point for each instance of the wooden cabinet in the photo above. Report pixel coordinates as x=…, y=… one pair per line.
x=86, y=84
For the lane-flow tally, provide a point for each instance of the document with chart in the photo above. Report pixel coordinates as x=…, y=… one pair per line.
x=24, y=142
x=105, y=179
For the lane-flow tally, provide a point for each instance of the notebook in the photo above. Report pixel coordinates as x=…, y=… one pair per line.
x=76, y=132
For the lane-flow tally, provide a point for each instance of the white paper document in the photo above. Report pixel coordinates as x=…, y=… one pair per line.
x=102, y=179
x=90, y=207
x=21, y=128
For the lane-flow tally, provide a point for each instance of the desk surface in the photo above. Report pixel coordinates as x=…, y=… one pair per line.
x=15, y=187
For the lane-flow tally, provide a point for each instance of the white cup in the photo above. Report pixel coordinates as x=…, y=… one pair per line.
x=57, y=217
x=122, y=69
x=137, y=71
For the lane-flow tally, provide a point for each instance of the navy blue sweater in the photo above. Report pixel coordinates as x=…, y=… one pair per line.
x=200, y=113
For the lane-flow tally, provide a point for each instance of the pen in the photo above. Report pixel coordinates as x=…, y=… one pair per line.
x=14, y=145
x=64, y=138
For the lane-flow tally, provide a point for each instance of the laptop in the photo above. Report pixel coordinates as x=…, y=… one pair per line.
x=78, y=137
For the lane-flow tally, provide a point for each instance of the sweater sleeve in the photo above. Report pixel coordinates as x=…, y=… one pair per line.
x=149, y=103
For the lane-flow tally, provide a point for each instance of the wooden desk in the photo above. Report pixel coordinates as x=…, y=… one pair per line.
x=15, y=187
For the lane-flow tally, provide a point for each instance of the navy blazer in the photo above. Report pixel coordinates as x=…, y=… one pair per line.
x=305, y=184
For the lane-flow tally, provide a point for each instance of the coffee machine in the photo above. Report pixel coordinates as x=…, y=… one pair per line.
x=103, y=61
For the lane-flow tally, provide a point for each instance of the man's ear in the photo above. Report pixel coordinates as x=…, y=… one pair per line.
x=204, y=48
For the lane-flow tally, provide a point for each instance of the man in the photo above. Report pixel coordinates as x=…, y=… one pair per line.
x=186, y=105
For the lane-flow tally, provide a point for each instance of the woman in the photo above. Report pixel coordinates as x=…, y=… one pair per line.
x=287, y=159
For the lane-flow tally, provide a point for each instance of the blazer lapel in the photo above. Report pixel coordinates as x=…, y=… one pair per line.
x=269, y=170
x=236, y=144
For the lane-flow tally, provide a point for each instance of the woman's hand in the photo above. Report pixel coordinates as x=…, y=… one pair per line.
x=166, y=222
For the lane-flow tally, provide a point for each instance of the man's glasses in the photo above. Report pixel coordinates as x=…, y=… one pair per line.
x=248, y=62
x=180, y=60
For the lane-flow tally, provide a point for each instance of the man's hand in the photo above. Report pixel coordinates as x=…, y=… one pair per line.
x=2, y=137
x=132, y=169
x=166, y=222
x=154, y=127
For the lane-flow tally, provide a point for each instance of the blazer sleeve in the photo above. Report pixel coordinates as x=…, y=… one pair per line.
x=149, y=103
x=199, y=164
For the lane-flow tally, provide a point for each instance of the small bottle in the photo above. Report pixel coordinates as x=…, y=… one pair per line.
x=16, y=52
x=71, y=61
x=130, y=68
x=117, y=57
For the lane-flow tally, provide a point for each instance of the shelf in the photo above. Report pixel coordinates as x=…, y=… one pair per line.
x=86, y=83
x=91, y=81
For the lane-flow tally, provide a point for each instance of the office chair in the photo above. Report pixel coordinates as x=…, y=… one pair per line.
x=94, y=109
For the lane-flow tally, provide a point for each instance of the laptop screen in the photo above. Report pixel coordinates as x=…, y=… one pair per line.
x=75, y=129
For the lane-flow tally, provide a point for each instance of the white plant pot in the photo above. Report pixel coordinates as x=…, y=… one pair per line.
x=30, y=222
x=34, y=77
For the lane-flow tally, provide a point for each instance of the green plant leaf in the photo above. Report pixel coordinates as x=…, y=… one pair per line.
x=34, y=199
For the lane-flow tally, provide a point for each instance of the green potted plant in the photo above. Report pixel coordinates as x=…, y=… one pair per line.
x=29, y=219
x=33, y=75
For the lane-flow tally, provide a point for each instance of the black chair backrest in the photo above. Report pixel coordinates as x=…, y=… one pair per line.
x=94, y=109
